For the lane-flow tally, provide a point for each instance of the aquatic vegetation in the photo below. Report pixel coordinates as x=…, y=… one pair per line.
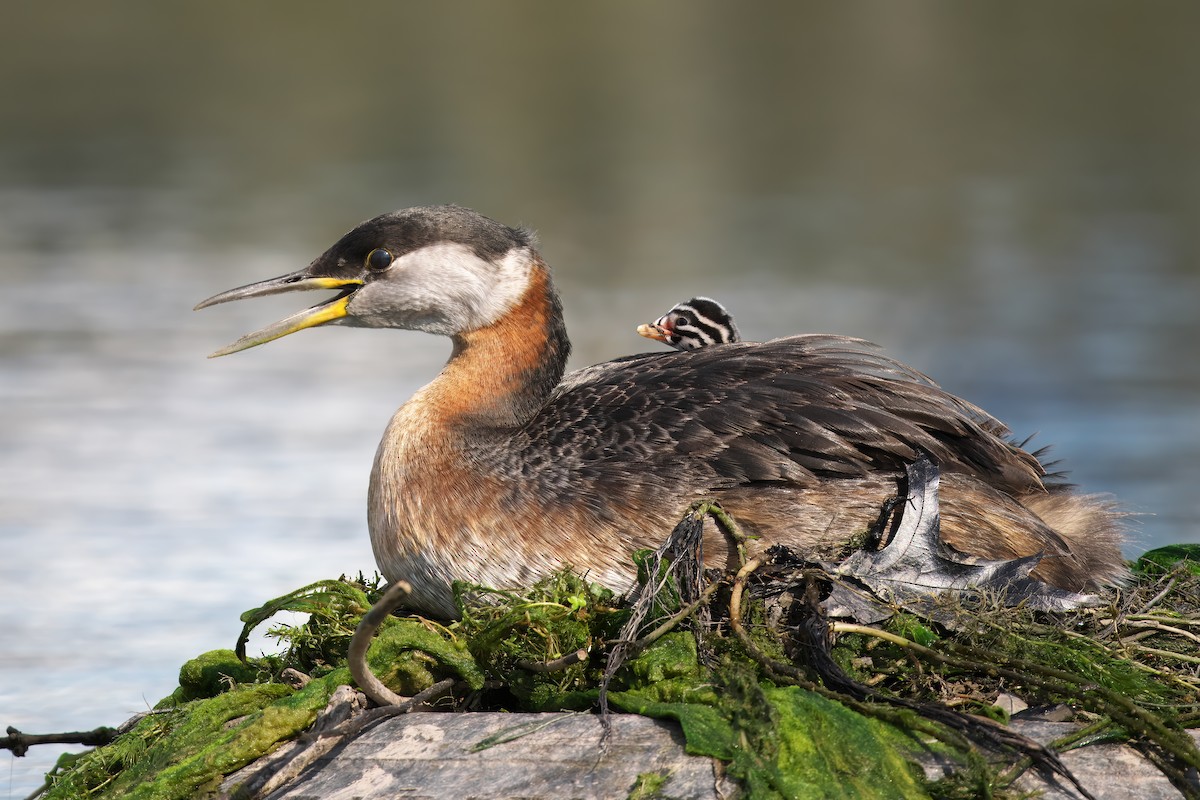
x=792, y=712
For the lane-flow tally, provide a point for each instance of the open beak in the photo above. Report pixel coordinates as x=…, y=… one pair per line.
x=659, y=331
x=319, y=314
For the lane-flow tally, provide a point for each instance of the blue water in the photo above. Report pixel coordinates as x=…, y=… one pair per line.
x=1006, y=198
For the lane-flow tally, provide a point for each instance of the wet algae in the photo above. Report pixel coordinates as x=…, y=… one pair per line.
x=786, y=741
x=183, y=750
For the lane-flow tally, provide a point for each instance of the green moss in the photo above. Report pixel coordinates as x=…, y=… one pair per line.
x=333, y=608
x=781, y=741
x=1163, y=559
x=672, y=656
x=136, y=761
x=185, y=752
x=648, y=786
x=911, y=627
x=209, y=674
x=788, y=742
x=706, y=730
x=827, y=750
x=410, y=655
x=559, y=615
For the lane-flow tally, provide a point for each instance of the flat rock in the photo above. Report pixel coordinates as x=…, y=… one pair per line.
x=534, y=755
x=560, y=756
x=1109, y=771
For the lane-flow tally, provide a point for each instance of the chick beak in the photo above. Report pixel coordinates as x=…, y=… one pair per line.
x=660, y=331
x=320, y=314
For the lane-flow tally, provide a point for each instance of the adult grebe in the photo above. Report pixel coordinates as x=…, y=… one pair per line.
x=502, y=470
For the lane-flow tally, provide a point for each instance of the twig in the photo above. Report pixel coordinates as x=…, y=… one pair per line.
x=735, y=600
x=1148, y=627
x=1086, y=735
x=1124, y=711
x=1152, y=602
x=1166, y=654
x=1174, y=619
x=19, y=743
x=556, y=664
x=1186, y=682
x=1125, y=641
x=357, y=656
x=669, y=625
x=680, y=557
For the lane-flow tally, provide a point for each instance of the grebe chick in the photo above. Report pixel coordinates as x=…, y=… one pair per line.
x=697, y=323
x=501, y=470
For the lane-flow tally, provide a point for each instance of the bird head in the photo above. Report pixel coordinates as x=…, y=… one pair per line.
x=441, y=269
x=697, y=323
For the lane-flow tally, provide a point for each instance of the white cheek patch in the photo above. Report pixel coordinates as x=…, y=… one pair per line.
x=446, y=289
x=511, y=280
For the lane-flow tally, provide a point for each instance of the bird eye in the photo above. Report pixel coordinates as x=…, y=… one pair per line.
x=379, y=259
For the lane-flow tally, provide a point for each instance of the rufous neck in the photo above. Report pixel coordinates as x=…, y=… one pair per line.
x=500, y=375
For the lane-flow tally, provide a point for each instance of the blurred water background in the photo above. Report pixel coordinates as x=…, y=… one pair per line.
x=1005, y=195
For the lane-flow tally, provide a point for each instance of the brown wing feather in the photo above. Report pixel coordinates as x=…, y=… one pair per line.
x=788, y=410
